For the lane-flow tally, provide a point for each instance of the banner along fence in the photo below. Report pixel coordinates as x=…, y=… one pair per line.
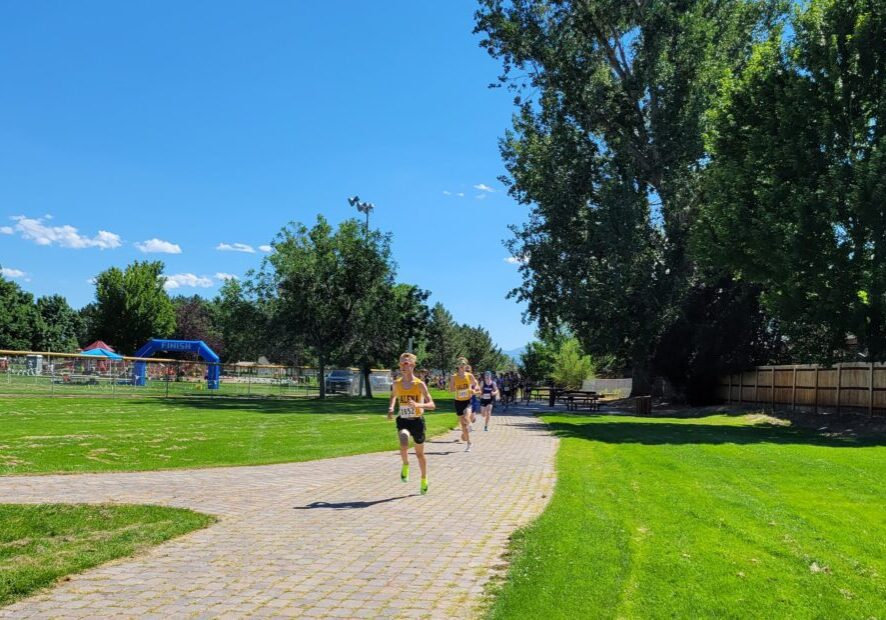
x=45, y=373
x=848, y=387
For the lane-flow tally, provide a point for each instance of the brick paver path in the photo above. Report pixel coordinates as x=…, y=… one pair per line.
x=340, y=538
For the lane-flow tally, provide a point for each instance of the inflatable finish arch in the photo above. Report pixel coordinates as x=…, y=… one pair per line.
x=192, y=346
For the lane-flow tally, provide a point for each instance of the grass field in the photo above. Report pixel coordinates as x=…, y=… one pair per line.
x=712, y=517
x=42, y=435
x=39, y=544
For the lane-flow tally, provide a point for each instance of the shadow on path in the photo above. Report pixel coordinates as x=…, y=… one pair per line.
x=349, y=505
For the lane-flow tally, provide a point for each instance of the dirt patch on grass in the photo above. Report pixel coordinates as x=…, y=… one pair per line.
x=827, y=423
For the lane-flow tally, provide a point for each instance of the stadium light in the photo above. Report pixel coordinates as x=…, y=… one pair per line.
x=362, y=207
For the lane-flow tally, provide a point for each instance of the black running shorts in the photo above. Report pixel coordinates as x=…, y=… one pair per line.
x=461, y=406
x=485, y=403
x=415, y=426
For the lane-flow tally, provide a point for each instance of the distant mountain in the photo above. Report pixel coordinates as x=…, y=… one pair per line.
x=515, y=354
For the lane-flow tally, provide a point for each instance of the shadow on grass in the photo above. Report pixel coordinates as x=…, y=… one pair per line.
x=348, y=505
x=664, y=433
x=341, y=405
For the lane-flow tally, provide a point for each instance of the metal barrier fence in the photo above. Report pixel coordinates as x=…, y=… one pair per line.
x=44, y=373
x=619, y=388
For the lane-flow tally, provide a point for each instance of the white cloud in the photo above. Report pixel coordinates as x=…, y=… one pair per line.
x=484, y=188
x=265, y=248
x=159, y=246
x=481, y=196
x=91, y=281
x=226, y=276
x=65, y=236
x=515, y=260
x=6, y=230
x=235, y=247
x=460, y=194
x=12, y=273
x=179, y=280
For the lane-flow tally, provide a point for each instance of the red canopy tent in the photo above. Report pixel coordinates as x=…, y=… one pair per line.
x=99, y=344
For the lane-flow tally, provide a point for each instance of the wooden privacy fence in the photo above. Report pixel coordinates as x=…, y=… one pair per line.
x=854, y=387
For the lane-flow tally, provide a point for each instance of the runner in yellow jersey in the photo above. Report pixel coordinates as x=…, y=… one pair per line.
x=414, y=399
x=464, y=385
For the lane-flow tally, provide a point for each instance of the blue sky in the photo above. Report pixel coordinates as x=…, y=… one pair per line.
x=191, y=132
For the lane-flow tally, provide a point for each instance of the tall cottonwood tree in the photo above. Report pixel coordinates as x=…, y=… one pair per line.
x=607, y=149
x=795, y=190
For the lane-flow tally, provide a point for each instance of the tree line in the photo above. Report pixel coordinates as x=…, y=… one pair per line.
x=705, y=178
x=324, y=296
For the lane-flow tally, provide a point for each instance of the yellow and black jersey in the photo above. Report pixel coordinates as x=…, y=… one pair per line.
x=409, y=397
x=462, y=386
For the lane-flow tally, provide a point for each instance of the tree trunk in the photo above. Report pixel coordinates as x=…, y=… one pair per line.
x=322, y=369
x=366, y=374
x=641, y=380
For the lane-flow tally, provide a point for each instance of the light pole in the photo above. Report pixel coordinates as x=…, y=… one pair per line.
x=362, y=207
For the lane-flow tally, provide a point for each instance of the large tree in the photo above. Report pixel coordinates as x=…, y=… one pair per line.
x=19, y=319
x=481, y=351
x=399, y=318
x=242, y=323
x=796, y=186
x=443, y=342
x=197, y=319
x=325, y=283
x=59, y=327
x=132, y=306
x=607, y=149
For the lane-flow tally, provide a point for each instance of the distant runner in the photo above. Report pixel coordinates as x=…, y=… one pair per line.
x=475, y=401
x=464, y=385
x=413, y=398
x=489, y=393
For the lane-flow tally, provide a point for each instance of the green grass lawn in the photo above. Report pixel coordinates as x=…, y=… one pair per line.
x=42, y=435
x=713, y=517
x=39, y=544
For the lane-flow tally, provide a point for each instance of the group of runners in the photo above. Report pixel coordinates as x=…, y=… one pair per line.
x=412, y=398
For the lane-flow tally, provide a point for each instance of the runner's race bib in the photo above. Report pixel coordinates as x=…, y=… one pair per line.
x=408, y=411
x=464, y=393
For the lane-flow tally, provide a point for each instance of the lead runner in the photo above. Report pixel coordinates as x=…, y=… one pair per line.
x=413, y=397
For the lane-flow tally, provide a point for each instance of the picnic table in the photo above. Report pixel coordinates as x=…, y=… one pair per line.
x=575, y=399
x=531, y=393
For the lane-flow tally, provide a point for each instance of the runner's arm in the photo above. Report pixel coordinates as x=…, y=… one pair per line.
x=428, y=402
x=391, y=404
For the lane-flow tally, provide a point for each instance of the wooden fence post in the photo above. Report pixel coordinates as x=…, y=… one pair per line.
x=839, y=383
x=772, y=390
x=740, y=386
x=815, y=396
x=871, y=391
x=757, y=386
x=729, y=395
x=794, y=390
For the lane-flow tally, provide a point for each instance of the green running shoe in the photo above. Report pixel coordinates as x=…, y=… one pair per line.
x=404, y=473
x=424, y=486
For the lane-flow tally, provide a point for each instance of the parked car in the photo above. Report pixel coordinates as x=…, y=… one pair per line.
x=381, y=382
x=339, y=381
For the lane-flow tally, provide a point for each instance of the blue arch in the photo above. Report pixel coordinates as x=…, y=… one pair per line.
x=192, y=346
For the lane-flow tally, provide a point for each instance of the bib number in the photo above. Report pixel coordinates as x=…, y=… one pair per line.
x=408, y=411
x=464, y=393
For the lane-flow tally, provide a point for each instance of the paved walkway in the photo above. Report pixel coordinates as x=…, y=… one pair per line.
x=340, y=538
